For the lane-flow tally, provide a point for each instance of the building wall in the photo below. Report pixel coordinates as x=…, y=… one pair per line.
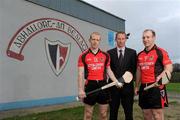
x=84, y=11
x=28, y=76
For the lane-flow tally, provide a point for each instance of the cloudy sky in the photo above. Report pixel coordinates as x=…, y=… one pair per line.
x=161, y=15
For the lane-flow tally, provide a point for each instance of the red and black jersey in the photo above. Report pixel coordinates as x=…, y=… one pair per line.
x=94, y=64
x=152, y=63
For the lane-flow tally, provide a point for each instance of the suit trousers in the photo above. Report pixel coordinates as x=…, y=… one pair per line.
x=125, y=97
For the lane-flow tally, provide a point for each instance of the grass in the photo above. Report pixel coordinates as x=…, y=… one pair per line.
x=64, y=114
x=76, y=113
x=173, y=87
x=69, y=114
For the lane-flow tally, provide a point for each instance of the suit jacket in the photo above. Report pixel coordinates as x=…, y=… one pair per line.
x=129, y=62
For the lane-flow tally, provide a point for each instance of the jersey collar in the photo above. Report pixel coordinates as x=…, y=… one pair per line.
x=93, y=53
x=154, y=47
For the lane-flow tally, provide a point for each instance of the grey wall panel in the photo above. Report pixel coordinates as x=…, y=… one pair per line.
x=28, y=74
x=84, y=11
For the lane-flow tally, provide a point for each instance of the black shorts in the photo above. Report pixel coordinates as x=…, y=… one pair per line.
x=101, y=97
x=154, y=98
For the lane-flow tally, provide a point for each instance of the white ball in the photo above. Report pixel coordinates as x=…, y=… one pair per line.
x=119, y=84
x=77, y=98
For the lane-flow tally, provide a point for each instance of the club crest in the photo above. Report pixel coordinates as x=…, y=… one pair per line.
x=57, y=55
x=151, y=58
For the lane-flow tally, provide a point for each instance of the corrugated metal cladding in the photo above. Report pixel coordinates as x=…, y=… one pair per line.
x=84, y=11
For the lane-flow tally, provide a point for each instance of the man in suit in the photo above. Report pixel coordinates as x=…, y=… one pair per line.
x=122, y=59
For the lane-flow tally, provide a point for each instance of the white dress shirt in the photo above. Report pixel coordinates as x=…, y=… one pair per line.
x=123, y=50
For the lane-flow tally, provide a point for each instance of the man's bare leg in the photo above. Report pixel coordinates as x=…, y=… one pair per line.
x=88, y=112
x=103, y=109
x=148, y=115
x=158, y=114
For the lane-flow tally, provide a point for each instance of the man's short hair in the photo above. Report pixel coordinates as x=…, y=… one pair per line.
x=152, y=31
x=94, y=33
x=120, y=32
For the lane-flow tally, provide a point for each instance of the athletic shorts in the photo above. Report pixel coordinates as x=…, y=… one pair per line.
x=153, y=98
x=101, y=97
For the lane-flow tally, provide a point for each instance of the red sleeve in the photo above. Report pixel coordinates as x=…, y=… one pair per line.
x=166, y=59
x=108, y=60
x=80, y=63
x=138, y=59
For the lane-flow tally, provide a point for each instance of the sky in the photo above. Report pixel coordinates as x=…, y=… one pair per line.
x=163, y=16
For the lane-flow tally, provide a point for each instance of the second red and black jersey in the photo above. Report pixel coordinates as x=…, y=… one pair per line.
x=152, y=63
x=94, y=64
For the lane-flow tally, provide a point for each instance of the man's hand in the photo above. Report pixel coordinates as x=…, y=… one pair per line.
x=136, y=90
x=81, y=95
x=119, y=84
x=158, y=78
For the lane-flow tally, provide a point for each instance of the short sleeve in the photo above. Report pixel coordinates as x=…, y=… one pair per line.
x=166, y=59
x=80, y=63
x=138, y=59
x=108, y=60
